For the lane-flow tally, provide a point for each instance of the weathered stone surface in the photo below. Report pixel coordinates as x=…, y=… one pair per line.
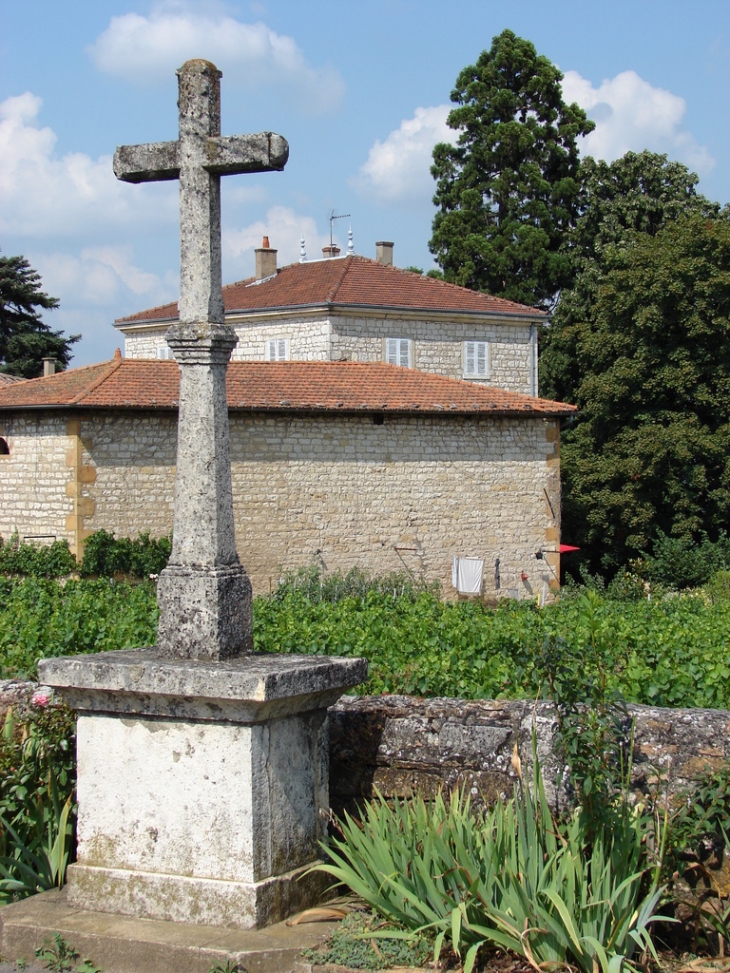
x=203, y=786
x=401, y=745
x=341, y=485
x=245, y=683
x=204, y=594
x=122, y=944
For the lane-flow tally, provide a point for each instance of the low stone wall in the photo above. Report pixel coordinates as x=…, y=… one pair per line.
x=401, y=745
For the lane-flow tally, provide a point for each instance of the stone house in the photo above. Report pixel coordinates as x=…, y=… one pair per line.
x=350, y=308
x=334, y=463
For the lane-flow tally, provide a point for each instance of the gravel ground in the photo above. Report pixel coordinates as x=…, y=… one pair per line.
x=30, y=968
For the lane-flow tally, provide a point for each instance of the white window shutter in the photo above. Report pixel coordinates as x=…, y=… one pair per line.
x=398, y=351
x=476, y=358
x=405, y=357
x=282, y=349
x=481, y=358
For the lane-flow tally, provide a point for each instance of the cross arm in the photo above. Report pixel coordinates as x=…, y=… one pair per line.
x=154, y=162
x=232, y=154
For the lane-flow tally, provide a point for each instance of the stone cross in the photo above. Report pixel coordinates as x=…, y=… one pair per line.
x=204, y=593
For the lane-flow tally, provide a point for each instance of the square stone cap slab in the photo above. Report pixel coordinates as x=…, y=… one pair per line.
x=251, y=687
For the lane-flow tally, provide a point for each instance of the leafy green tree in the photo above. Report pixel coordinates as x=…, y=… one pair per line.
x=24, y=338
x=638, y=193
x=508, y=191
x=650, y=449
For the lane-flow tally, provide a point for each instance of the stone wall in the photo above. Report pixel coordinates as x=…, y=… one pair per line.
x=34, y=477
x=409, y=493
x=336, y=491
x=307, y=339
x=437, y=345
x=400, y=746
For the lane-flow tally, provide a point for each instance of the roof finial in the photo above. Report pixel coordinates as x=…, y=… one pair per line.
x=350, y=244
x=302, y=251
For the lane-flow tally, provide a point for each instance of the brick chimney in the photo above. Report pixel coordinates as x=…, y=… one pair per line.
x=384, y=253
x=330, y=251
x=49, y=366
x=265, y=260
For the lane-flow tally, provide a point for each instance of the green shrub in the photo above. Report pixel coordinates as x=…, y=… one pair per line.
x=45, y=618
x=316, y=586
x=513, y=877
x=681, y=562
x=37, y=809
x=106, y=556
x=36, y=560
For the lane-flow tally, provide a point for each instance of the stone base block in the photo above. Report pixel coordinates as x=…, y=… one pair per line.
x=205, y=613
x=177, y=898
x=124, y=944
x=202, y=786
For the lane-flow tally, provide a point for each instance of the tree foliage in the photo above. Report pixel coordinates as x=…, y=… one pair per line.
x=638, y=193
x=25, y=340
x=508, y=191
x=650, y=450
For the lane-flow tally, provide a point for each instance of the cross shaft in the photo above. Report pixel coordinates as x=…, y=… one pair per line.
x=204, y=593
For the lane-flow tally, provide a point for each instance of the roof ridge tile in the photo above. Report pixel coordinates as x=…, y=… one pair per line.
x=115, y=364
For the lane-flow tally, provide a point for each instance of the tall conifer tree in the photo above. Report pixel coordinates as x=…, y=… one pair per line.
x=508, y=191
x=25, y=340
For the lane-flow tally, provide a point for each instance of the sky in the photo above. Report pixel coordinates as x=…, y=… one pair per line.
x=360, y=90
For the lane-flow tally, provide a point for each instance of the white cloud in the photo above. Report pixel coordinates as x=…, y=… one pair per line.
x=398, y=169
x=43, y=194
x=632, y=115
x=284, y=228
x=146, y=50
x=96, y=285
x=100, y=276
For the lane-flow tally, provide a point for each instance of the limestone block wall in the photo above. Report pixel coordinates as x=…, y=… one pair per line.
x=337, y=491
x=144, y=344
x=403, y=745
x=134, y=459
x=438, y=345
x=34, y=477
x=409, y=493
x=308, y=340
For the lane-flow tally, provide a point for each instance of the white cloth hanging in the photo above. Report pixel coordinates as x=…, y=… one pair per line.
x=466, y=575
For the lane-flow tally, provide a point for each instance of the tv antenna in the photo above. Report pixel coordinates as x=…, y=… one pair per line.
x=342, y=216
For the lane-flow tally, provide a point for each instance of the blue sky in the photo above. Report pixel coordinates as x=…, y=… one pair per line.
x=360, y=90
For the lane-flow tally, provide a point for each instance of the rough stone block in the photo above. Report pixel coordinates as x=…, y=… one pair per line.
x=202, y=786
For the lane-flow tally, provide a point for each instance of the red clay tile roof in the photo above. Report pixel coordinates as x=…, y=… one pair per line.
x=349, y=281
x=6, y=379
x=127, y=383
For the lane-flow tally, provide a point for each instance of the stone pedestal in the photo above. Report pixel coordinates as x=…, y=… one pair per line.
x=202, y=786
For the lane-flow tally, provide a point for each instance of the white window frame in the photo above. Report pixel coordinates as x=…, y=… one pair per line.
x=277, y=349
x=476, y=359
x=399, y=351
x=164, y=353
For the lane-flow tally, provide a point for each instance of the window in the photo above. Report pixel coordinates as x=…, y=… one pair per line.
x=277, y=349
x=476, y=359
x=398, y=351
x=4, y=448
x=165, y=352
